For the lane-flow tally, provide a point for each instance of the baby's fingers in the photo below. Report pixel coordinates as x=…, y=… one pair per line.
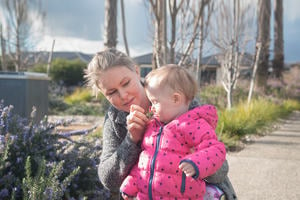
x=187, y=168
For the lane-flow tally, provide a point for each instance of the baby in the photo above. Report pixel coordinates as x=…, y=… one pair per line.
x=180, y=147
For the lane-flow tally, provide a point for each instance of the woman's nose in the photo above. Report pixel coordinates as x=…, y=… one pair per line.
x=123, y=94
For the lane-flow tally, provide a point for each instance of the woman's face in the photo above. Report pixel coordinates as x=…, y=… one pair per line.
x=122, y=88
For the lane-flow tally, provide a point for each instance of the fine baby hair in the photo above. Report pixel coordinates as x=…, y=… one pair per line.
x=175, y=78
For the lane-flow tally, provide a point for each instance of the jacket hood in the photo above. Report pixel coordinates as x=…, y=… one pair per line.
x=206, y=112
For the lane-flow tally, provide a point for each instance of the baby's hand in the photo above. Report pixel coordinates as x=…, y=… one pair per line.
x=187, y=168
x=125, y=197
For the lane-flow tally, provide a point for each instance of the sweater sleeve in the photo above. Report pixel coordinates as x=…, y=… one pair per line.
x=220, y=175
x=117, y=158
x=209, y=153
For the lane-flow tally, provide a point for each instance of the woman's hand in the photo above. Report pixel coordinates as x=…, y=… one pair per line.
x=136, y=123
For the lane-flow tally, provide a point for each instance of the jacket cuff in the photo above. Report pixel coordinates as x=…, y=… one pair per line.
x=195, y=167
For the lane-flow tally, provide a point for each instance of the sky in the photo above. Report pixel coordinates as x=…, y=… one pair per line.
x=77, y=25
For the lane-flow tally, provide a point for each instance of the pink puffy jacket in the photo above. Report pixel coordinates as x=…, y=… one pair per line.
x=190, y=137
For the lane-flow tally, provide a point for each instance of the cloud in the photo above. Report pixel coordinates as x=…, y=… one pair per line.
x=291, y=10
x=81, y=19
x=82, y=45
x=69, y=44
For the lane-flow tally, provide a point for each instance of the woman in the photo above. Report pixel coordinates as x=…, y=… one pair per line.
x=117, y=77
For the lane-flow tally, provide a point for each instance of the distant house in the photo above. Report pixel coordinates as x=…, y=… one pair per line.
x=212, y=72
x=43, y=56
x=211, y=67
x=145, y=62
x=86, y=58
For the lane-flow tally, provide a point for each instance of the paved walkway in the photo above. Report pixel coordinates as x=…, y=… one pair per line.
x=269, y=169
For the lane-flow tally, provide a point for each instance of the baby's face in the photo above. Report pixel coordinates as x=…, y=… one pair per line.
x=164, y=107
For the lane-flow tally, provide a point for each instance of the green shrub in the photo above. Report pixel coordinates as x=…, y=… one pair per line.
x=83, y=109
x=43, y=184
x=247, y=119
x=80, y=95
x=10, y=66
x=40, y=68
x=216, y=95
x=70, y=72
x=291, y=105
x=82, y=102
x=56, y=104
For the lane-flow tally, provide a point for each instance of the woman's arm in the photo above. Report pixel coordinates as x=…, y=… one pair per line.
x=220, y=175
x=118, y=155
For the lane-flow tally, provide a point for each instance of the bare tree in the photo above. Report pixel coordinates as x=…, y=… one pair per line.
x=193, y=26
x=278, y=61
x=183, y=30
x=230, y=35
x=124, y=27
x=50, y=57
x=174, y=9
x=110, y=34
x=20, y=17
x=201, y=11
x=158, y=8
x=252, y=81
x=3, y=50
x=263, y=37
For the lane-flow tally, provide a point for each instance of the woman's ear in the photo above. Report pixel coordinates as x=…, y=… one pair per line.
x=137, y=70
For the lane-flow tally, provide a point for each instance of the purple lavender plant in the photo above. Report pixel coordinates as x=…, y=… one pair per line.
x=20, y=138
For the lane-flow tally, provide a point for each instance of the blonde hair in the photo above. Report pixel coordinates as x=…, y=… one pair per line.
x=103, y=60
x=176, y=78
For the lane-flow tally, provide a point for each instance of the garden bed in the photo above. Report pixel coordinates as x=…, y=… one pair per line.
x=76, y=122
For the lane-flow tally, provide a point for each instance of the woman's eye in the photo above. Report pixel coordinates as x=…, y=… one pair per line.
x=126, y=83
x=111, y=93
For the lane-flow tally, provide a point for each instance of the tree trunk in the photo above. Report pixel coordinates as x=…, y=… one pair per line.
x=278, y=62
x=19, y=20
x=50, y=58
x=199, y=60
x=124, y=27
x=173, y=13
x=229, y=98
x=163, y=35
x=258, y=49
x=3, y=50
x=263, y=37
x=110, y=34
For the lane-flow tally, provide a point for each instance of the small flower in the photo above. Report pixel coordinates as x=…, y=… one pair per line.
x=19, y=160
x=33, y=112
x=149, y=114
x=4, y=193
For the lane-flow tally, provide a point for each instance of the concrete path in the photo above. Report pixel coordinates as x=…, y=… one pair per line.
x=269, y=169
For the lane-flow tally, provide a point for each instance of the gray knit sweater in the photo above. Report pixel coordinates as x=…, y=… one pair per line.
x=119, y=155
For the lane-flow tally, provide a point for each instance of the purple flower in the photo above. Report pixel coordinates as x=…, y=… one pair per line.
x=4, y=193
